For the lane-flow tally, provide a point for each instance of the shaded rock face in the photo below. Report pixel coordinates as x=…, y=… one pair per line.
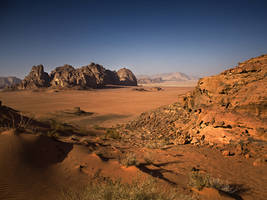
x=9, y=81
x=224, y=109
x=126, y=77
x=37, y=78
x=90, y=76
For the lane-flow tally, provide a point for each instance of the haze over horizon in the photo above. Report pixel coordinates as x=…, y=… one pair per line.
x=148, y=37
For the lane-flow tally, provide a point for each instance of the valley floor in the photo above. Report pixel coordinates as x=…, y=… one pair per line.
x=39, y=167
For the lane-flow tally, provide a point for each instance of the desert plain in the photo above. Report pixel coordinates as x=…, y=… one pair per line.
x=138, y=142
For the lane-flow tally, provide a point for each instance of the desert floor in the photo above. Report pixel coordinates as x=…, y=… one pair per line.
x=107, y=106
x=38, y=167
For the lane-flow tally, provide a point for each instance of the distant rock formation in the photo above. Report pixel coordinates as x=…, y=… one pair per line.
x=126, y=77
x=149, y=80
x=227, y=109
x=165, y=77
x=10, y=81
x=90, y=76
x=37, y=78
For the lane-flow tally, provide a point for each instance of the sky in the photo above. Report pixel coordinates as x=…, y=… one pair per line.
x=198, y=38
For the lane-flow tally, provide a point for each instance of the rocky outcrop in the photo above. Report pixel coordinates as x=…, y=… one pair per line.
x=222, y=110
x=37, y=78
x=9, y=81
x=126, y=77
x=90, y=76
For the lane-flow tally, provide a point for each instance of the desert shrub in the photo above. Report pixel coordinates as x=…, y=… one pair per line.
x=18, y=122
x=60, y=128
x=53, y=134
x=129, y=160
x=107, y=189
x=112, y=133
x=200, y=180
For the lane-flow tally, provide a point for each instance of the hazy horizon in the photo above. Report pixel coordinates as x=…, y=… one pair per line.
x=148, y=37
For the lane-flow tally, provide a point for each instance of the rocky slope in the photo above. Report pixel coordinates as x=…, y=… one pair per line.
x=90, y=76
x=225, y=109
x=9, y=81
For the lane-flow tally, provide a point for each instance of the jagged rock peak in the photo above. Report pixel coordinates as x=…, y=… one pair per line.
x=37, y=78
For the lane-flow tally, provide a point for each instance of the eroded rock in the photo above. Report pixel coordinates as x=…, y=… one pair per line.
x=37, y=78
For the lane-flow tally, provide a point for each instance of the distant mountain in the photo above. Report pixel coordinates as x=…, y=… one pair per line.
x=9, y=81
x=164, y=77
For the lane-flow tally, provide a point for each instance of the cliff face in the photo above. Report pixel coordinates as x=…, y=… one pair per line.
x=222, y=109
x=90, y=76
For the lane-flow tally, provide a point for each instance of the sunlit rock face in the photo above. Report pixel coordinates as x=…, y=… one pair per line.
x=227, y=108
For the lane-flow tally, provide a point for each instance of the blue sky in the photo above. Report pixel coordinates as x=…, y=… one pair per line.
x=195, y=37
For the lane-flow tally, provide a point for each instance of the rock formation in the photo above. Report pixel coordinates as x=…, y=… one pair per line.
x=224, y=109
x=90, y=76
x=9, y=81
x=126, y=77
x=37, y=78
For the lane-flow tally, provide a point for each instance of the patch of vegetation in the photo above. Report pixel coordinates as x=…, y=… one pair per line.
x=10, y=119
x=129, y=160
x=112, y=133
x=106, y=189
x=58, y=128
x=200, y=180
x=53, y=134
